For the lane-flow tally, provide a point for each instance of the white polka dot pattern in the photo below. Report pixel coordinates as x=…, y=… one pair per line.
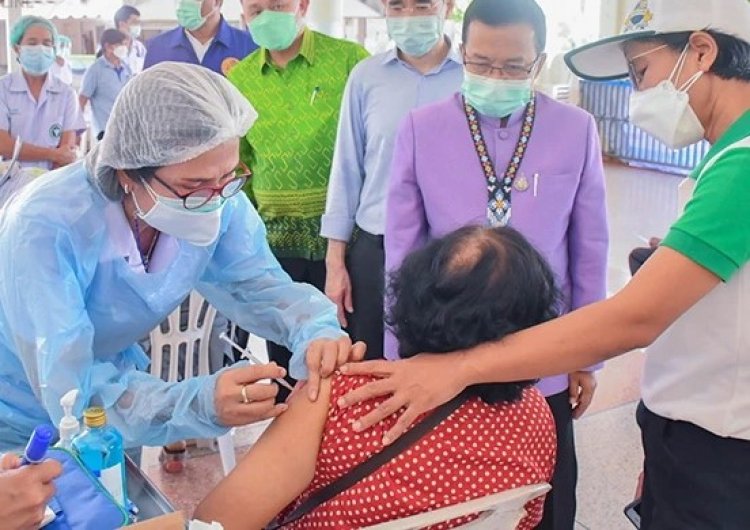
x=479, y=450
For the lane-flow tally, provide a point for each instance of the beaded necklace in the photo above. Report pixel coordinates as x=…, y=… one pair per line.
x=145, y=257
x=498, y=205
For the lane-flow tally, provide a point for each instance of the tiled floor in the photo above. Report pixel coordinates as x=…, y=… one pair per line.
x=641, y=204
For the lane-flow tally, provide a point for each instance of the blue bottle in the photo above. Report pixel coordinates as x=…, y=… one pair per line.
x=100, y=448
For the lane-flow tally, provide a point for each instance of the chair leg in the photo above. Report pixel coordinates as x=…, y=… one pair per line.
x=226, y=452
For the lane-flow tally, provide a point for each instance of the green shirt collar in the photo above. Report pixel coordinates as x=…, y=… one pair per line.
x=307, y=51
x=737, y=131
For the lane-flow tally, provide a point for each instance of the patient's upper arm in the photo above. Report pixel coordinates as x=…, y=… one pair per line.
x=275, y=471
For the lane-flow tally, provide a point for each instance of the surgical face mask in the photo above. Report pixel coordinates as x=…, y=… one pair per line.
x=416, y=36
x=274, y=30
x=664, y=111
x=189, y=14
x=121, y=52
x=199, y=227
x=496, y=98
x=135, y=31
x=36, y=60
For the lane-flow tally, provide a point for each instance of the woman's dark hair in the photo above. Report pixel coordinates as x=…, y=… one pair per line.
x=472, y=286
x=507, y=12
x=732, y=60
x=112, y=37
x=124, y=13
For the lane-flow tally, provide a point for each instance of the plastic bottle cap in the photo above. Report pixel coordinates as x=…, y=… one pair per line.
x=95, y=417
x=38, y=444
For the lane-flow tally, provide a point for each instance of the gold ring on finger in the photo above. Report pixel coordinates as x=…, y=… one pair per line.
x=245, y=399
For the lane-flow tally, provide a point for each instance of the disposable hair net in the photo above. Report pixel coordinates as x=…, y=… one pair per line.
x=19, y=28
x=168, y=114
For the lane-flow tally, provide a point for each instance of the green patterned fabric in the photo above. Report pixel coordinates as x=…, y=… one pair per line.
x=290, y=147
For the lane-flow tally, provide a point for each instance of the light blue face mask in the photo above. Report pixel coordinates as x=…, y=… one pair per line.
x=36, y=60
x=416, y=36
x=496, y=98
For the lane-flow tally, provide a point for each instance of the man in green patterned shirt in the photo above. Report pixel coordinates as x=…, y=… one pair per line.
x=296, y=82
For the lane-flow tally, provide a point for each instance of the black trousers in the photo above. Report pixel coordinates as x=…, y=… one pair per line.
x=560, y=504
x=693, y=479
x=365, y=261
x=303, y=271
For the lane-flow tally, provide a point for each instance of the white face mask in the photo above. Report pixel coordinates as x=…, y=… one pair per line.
x=664, y=111
x=121, y=52
x=199, y=227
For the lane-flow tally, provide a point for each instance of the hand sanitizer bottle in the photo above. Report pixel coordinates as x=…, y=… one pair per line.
x=100, y=448
x=69, y=425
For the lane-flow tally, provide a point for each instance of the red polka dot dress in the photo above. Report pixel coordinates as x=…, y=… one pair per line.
x=478, y=450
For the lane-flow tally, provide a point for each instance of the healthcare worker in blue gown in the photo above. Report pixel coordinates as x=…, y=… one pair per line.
x=95, y=255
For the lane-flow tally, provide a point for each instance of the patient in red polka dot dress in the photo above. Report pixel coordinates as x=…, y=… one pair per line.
x=479, y=450
x=472, y=286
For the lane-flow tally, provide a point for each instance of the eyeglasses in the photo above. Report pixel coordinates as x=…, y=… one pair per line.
x=511, y=71
x=397, y=7
x=202, y=196
x=636, y=77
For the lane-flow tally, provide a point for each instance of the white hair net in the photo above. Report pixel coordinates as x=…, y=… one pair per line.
x=168, y=114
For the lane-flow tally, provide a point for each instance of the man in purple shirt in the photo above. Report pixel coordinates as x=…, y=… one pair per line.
x=499, y=153
x=203, y=37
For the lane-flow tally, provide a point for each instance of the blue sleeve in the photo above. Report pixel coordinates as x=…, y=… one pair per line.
x=246, y=284
x=53, y=337
x=151, y=54
x=89, y=83
x=348, y=168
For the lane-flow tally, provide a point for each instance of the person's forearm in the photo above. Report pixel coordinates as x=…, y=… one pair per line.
x=336, y=253
x=29, y=152
x=567, y=344
x=668, y=285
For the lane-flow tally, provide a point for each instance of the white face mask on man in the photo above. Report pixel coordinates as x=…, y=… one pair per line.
x=664, y=111
x=199, y=227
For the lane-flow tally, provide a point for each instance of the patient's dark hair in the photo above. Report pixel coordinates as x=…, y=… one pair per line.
x=472, y=286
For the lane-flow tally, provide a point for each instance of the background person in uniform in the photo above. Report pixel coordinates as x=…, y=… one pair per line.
x=382, y=89
x=296, y=81
x=36, y=106
x=128, y=21
x=203, y=37
x=106, y=77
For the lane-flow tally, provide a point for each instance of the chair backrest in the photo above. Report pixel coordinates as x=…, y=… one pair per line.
x=182, y=341
x=501, y=511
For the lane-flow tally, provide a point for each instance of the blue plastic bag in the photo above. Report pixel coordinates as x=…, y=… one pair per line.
x=81, y=502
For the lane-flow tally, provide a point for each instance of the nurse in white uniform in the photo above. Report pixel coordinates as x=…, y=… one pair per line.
x=35, y=106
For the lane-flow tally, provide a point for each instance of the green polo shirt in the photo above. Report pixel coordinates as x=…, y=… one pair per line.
x=290, y=147
x=714, y=230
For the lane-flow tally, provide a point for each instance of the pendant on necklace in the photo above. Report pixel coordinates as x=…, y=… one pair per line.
x=521, y=183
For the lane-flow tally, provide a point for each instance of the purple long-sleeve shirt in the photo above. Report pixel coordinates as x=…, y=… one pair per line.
x=438, y=186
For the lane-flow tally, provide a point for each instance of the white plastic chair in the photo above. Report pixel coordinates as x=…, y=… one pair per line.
x=501, y=511
x=181, y=347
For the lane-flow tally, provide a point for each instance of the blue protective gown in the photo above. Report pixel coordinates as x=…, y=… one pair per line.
x=72, y=309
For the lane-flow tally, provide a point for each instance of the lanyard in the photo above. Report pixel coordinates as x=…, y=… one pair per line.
x=498, y=205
